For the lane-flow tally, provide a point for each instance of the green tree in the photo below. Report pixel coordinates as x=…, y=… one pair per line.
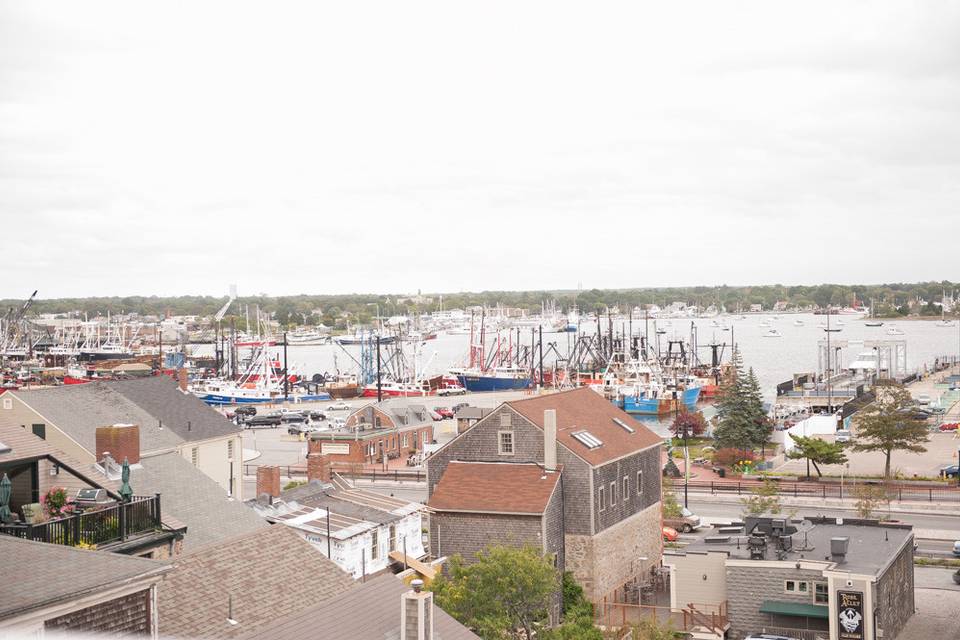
x=870, y=498
x=577, y=615
x=818, y=452
x=763, y=499
x=741, y=421
x=504, y=590
x=887, y=424
x=668, y=500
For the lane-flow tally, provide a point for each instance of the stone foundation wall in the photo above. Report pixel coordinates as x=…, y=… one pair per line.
x=603, y=562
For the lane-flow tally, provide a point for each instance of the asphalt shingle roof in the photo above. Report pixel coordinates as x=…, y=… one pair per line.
x=78, y=409
x=194, y=499
x=37, y=574
x=494, y=487
x=183, y=413
x=269, y=574
x=584, y=409
x=369, y=611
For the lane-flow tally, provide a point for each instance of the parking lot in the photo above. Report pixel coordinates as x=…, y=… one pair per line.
x=274, y=446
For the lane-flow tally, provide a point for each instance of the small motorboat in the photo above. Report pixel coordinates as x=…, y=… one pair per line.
x=773, y=333
x=798, y=323
x=894, y=331
x=873, y=323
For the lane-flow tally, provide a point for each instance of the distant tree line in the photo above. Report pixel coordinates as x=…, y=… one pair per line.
x=339, y=310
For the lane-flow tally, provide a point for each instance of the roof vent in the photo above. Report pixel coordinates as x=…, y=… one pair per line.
x=623, y=425
x=839, y=547
x=587, y=439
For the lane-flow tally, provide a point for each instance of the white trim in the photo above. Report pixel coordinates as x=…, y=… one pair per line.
x=513, y=443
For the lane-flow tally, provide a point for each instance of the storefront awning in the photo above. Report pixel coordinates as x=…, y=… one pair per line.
x=795, y=609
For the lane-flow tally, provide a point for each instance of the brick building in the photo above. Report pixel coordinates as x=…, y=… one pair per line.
x=829, y=578
x=609, y=481
x=377, y=433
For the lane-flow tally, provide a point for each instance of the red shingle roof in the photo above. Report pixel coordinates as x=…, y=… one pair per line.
x=494, y=487
x=584, y=409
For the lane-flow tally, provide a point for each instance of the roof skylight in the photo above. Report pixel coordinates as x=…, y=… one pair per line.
x=587, y=439
x=624, y=425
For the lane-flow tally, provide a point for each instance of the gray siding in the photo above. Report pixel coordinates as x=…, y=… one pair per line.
x=625, y=506
x=748, y=587
x=894, y=594
x=467, y=534
x=480, y=444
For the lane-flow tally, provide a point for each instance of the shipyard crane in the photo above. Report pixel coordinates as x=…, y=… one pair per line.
x=13, y=322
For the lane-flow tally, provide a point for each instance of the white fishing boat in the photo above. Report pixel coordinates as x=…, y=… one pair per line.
x=798, y=323
x=307, y=337
x=773, y=333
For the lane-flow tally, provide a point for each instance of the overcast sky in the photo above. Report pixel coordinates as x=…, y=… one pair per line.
x=332, y=147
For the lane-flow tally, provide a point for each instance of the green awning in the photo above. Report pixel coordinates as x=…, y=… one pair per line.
x=795, y=609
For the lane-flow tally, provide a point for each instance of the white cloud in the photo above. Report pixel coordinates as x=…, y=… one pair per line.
x=386, y=146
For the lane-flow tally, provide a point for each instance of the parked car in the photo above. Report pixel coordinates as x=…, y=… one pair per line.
x=956, y=548
x=246, y=411
x=444, y=412
x=950, y=471
x=687, y=521
x=297, y=428
x=263, y=421
x=949, y=426
x=318, y=416
x=670, y=534
x=293, y=417
x=923, y=399
x=339, y=423
x=844, y=435
x=339, y=406
x=452, y=390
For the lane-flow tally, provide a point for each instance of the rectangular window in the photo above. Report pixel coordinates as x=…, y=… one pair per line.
x=8, y=403
x=374, y=544
x=613, y=493
x=821, y=593
x=626, y=487
x=229, y=449
x=795, y=586
x=195, y=456
x=601, y=503
x=505, y=420
x=393, y=537
x=639, y=483
x=40, y=430
x=506, y=443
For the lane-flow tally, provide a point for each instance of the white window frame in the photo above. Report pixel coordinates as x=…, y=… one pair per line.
x=639, y=483
x=613, y=493
x=601, y=503
x=375, y=544
x=797, y=589
x=626, y=488
x=8, y=404
x=826, y=592
x=513, y=446
x=505, y=420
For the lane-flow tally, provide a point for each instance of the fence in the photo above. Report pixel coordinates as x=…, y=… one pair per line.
x=395, y=475
x=110, y=524
x=621, y=614
x=898, y=492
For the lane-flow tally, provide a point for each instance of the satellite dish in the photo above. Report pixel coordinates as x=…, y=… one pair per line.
x=805, y=526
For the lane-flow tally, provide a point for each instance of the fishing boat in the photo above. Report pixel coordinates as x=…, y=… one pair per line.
x=773, y=333
x=495, y=379
x=873, y=323
x=361, y=337
x=798, y=323
x=307, y=337
x=398, y=388
x=656, y=394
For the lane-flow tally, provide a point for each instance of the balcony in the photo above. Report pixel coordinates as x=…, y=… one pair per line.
x=103, y=526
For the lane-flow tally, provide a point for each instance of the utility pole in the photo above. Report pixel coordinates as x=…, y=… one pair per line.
x=379, y=390
x=286, y=377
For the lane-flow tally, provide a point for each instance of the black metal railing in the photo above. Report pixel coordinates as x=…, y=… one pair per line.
x=113, y=523
x=899, y=492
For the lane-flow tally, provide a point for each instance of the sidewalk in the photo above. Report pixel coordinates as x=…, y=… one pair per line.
x=917, y=508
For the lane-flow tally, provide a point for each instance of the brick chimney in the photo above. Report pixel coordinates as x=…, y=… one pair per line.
x=416, y=613
x=121, y=441
x=182, y=379
x=268, y=481
x=550, y=439
x=318, y=467
x=313, y=446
